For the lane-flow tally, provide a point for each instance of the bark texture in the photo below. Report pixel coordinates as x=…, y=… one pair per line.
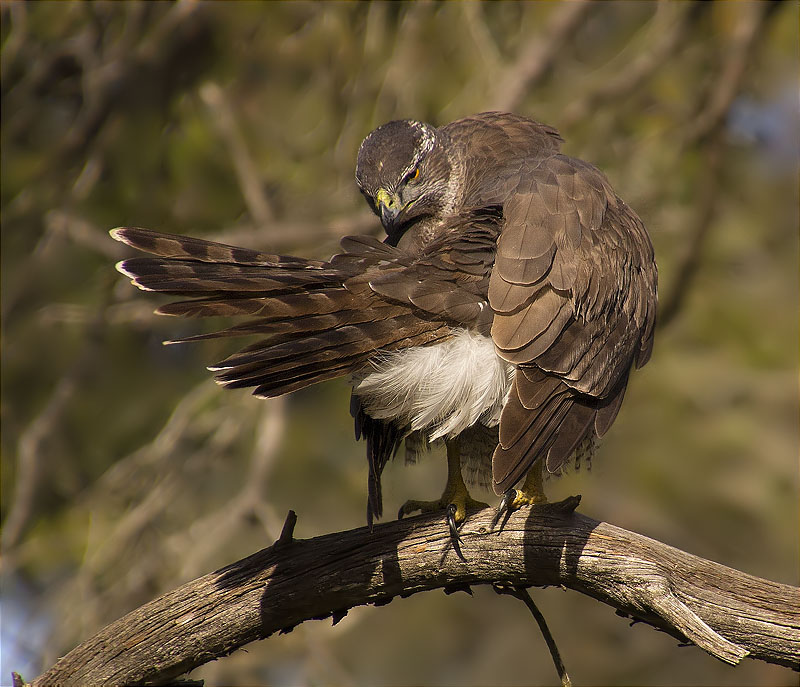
x=728, y=613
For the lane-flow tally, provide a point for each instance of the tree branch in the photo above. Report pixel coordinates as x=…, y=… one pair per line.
x=538, y=56
x=728, y=613
x=726, y=86
x=691, y=259
x=666, y=38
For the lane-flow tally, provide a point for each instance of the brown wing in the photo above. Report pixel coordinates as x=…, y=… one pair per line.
x=316, y=320
x=319, y=320
x=450, y=278
x=574, y=295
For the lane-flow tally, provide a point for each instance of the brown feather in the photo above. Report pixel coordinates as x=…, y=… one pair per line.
x=531, y=246
x=174, y=246
x=512, y=460
x=565, y=228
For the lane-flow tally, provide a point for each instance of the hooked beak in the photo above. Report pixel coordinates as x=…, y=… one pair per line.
x=389, y=208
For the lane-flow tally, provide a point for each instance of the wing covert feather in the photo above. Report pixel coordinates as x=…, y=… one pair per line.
x=573, y=294
x=585, y=312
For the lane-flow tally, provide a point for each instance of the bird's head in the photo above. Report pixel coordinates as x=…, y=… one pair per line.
x=404, y=172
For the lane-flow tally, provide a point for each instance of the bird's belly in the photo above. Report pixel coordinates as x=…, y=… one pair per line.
x=439, y=389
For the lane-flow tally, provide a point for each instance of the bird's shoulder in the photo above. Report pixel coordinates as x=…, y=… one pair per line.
x=502, y=130
x=490, y=150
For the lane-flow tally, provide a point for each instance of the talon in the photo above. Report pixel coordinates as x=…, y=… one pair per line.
x=452, y=509
x=506, y=508
x=508, y=499
x=531, y=494
x=455, y=500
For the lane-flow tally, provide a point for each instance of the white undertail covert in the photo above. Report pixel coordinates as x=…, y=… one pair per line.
x=439, y=389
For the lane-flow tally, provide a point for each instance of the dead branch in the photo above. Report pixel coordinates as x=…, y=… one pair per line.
x=671, y=32
x=728, y=613
x=537, y=56
x=692, y=257
x=726, y=86
x=522, y=594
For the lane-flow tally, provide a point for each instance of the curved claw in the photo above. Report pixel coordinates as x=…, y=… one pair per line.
x=505, y=508
x=454, y=537
x=451, y=520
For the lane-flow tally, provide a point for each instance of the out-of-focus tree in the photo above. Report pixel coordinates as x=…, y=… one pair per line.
x=126, y=471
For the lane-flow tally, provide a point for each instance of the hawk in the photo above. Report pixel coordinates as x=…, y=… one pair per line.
x=502, y=313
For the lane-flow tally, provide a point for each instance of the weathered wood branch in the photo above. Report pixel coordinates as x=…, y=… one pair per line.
x=728, y=613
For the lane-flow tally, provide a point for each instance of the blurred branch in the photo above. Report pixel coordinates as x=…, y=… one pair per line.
x=115, y=75
x=538, y=55
x=249, y=178
x=706, y=133
x=30, y=457
x=472, y=12
x=32, y=444
x=182, y=426
x=222, y=525
x=667, y=42
x=63, y=226
x=106, y=72
x=726, y=86
x=688, y=265
x=17, y=35
x=393, y=95
x=296, y=580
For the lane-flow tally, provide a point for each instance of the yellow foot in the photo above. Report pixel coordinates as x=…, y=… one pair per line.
x=531, y=494
x=512, y=501
x=520, y=498
x=456, y=505
x=463, y=502
x=455, y=500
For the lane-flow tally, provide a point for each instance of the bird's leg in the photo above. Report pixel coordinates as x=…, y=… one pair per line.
x=532, y=488
x=531, y=493
x=455, y=498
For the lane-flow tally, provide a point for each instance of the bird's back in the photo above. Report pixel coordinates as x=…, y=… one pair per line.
x=498, y=145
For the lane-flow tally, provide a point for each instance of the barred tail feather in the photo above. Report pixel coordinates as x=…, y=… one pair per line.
x=316, y=320
x=174, y=246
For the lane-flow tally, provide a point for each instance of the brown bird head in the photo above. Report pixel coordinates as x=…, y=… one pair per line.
x=404, y=172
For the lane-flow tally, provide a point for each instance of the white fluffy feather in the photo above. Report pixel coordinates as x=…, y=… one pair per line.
x=440, y=389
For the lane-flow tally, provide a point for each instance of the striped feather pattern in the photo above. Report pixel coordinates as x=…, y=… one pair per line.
x=318, y=320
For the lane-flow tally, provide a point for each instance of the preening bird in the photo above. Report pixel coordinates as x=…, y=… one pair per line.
x=502, y=314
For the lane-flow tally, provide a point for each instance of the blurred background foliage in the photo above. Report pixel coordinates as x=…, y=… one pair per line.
x=125, y=470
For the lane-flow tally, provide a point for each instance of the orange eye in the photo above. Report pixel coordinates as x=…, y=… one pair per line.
x=413, y=176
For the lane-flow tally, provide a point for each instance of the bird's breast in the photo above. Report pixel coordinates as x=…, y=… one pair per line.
x=439, y=389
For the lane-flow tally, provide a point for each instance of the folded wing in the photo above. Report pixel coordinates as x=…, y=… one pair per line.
x=574, y=296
